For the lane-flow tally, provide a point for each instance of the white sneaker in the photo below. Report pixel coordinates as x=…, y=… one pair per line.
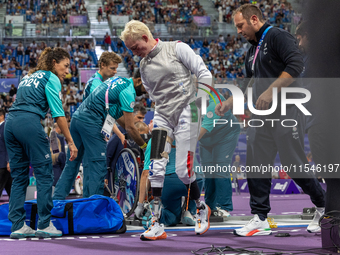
x=188, y=219
x=202, y=219
x=24, y=232
x=255, y=227
x=222, y=212
x=50, y=231
x=314, y=227
x=155, y=232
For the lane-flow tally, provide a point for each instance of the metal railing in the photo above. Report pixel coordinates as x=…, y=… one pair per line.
x=44, y=30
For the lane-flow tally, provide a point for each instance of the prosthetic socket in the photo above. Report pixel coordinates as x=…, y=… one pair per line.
x=159, y=157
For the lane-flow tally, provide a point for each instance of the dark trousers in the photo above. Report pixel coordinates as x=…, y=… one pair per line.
x=319, y=148
x=5, y=181
x=263, y=143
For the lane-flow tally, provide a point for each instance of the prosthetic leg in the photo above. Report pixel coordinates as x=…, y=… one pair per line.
x=159, y=157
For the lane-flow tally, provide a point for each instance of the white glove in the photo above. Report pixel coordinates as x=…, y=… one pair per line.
x=139, y=210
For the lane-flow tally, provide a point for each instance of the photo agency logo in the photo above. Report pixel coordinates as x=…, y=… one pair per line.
x=239, y=109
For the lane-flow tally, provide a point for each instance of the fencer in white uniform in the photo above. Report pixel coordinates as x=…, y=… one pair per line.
x=166, y=71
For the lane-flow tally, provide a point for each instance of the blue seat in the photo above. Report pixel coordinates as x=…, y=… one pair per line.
x=18, y=73
x=27, y=59
x=114, y=46
x=74, y=79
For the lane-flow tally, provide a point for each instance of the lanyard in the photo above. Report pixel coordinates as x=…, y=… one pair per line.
x=259, y=46
x=107, y=94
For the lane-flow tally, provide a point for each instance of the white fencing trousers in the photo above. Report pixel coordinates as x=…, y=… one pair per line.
x=185, y=134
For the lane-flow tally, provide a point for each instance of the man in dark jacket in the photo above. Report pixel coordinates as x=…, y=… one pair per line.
x=273, y=61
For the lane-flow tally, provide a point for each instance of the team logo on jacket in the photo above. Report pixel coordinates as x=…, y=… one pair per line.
x=132, y=104
x=295, y=133
x=265, y=50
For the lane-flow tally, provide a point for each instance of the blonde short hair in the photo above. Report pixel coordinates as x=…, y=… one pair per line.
x=107, y=57
x=141, y=126
x=134, y=30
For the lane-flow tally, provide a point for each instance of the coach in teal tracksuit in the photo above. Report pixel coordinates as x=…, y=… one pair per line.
x=86, y=126
x=92, y=84
x=173, y=191
x=217, y=146
x=108, y=64
x=26, y=141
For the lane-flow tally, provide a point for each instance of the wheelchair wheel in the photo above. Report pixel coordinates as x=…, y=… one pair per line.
x=126, y=181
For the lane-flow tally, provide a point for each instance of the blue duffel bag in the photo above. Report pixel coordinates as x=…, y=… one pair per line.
x=96, y=214
x=5, y=224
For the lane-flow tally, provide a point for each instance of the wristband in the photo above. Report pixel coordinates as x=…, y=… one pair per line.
x=143, y=146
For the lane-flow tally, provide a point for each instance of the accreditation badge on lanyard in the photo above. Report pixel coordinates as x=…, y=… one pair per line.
x=258, y=47
x=109, y=121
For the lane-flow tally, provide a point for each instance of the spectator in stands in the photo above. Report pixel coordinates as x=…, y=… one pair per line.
x=205, y=43
x=75, y=45
x=6, y=61
x=20, y=49
x=83, y=9
x=28, y=50
x=33, y=45
x=67, y=47
x=107, y=41
x=12, y=91
x=45, y=28
x=86, y=45
x=39, y=51
x=28, y=14
x=11, y=71
x=38, y=17
x=32, y=63
x=33, y=55
x=73, y=88
x=84, y=55
x=9, y=49
x=240, y=74
x=16, y=64
x=80, y=64
x=74, y=70
x=9, y=28
x=7, y=103
x=68, y=78
x=64, y=16
x=71, y=100
x=25, y=71
x=77, y=55
x=79, y=96
x=100, y=14
x=4, y=71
